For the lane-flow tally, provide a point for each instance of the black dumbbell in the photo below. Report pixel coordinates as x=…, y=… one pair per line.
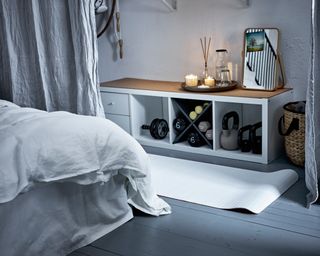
x=158, y=128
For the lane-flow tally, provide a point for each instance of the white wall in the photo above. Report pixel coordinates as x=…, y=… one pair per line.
x=165, y=45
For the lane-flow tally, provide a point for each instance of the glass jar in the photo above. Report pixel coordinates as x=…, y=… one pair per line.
x=221, y=63
x=225, y=78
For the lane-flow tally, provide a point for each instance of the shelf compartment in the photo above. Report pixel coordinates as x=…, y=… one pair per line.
x=182, y=107
x=144, y=109
x=248, y=114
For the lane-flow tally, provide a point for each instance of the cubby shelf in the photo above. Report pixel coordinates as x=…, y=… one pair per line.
x=147, y=100
x=184, y=107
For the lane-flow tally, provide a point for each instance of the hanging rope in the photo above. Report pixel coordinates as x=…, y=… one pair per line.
x=117, y=31
x=109, y=19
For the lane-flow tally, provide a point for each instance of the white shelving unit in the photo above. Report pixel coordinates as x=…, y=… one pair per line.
x=133, y=102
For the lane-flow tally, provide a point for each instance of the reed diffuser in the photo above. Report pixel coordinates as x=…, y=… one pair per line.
x=205, y=50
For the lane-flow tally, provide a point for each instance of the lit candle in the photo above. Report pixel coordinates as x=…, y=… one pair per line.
x=191, y=80
x=209, y=81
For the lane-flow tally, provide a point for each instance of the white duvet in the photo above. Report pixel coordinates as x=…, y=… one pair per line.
x=38, y=147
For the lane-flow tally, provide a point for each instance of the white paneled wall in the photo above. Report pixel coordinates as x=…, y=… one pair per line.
x=164, y=45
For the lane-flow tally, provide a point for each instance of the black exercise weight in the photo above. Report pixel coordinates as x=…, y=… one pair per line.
x=158, y=128
x=179, y=124
x=194, y=140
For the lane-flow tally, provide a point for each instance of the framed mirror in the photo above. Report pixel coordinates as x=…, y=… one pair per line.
x=261, y=61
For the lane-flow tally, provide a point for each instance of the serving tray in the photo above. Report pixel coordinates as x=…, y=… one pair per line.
x=215, y=88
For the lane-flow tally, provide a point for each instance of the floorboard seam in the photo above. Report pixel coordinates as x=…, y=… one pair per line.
x=193, y=239
x=102, y=249
x=293, y=211
x=242, y=220
x=296, y=219
x=82, y=253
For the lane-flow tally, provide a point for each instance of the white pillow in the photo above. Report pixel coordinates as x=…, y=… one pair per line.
x=4, y=103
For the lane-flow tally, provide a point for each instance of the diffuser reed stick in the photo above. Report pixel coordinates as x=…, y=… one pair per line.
x=205, y=51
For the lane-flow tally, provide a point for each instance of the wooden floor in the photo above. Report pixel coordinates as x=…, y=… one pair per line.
x=286, y=228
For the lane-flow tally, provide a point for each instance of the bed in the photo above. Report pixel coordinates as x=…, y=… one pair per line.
x=67, y=180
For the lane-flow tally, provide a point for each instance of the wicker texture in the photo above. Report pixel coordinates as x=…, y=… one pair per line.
x=295, y=141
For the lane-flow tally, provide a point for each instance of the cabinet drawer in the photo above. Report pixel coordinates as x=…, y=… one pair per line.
x=122, y=121
x=115, y=103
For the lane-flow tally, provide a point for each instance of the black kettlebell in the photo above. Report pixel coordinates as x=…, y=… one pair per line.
x=229, y=136
x=244, y=144
x=256, y=140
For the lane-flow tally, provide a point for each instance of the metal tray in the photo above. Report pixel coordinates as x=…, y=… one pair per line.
x=215, y=88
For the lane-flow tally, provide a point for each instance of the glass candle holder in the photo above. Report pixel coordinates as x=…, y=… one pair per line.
x=191, y=80
x=209, y=80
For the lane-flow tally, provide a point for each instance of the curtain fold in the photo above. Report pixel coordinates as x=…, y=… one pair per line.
x=312, y=144
x=49, y=55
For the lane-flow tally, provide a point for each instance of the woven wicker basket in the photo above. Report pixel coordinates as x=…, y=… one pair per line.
x=294, y=135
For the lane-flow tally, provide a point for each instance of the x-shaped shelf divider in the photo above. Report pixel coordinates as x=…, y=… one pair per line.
x=192, y=123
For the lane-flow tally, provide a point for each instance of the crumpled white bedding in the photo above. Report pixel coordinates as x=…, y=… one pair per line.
x=38, y=147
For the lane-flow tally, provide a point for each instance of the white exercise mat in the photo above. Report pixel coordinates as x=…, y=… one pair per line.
x=218, y=186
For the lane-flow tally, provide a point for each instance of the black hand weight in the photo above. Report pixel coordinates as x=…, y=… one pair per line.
x=179, y=124
x=158, y=128
x=194, y=140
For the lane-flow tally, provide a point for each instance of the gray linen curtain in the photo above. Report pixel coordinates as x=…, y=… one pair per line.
x=49, y=55
x=312, y=146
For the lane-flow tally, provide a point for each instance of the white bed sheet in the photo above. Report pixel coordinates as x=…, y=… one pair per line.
x=41, y=147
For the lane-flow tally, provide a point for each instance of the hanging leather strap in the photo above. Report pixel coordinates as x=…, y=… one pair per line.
x=108, y=20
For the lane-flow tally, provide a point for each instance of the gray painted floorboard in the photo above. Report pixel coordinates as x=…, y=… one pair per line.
x=285, y=228
x=199, y=230
x=91, y=250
